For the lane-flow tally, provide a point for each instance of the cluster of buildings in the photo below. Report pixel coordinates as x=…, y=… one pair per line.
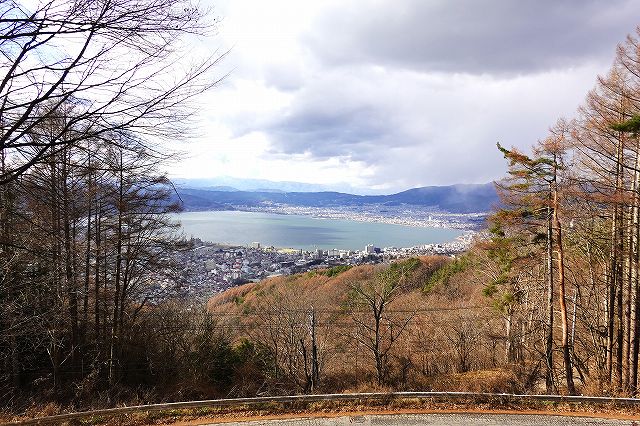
x=407, y=215
x=209, y=268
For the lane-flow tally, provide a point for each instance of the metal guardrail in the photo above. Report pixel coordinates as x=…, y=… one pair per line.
x=329, y=397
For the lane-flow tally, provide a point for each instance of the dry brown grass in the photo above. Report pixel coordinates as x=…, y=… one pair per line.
x=483, y=381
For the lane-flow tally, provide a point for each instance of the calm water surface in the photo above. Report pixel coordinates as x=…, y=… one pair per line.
x=305, y=232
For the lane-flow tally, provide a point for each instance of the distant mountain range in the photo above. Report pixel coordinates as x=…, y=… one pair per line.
x=227, y=183
x=462, y=198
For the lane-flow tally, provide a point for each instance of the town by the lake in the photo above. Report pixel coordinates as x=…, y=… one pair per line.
x=207, y=268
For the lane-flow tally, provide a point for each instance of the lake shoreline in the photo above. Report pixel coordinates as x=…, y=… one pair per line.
x=241, y=228
x=424, y=219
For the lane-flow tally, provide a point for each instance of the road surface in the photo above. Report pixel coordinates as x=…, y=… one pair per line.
x=442, y=420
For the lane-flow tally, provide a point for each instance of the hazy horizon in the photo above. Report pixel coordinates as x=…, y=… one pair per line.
x=292, y=186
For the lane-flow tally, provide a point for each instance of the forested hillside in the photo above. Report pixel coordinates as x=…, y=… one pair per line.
x=547, y=300
x=570, y=225
x=84, y=238
x=416, y=324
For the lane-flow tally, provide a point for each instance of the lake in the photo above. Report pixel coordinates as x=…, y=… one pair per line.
x=305, y=232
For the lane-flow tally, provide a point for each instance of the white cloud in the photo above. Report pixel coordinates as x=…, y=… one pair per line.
x=321, y=92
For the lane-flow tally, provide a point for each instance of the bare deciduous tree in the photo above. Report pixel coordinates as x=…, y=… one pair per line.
x=377, y=329
x=106, y=65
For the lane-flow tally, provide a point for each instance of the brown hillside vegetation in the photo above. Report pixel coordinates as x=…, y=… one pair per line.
x=415, y=324
x=90, y=283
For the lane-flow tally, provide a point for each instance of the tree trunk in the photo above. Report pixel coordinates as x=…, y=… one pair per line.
x=508, y=348
x=117, y=309
x=566, y=349
x=376, y=350
x=315, y=370
x=634, y=301
x=549, y=329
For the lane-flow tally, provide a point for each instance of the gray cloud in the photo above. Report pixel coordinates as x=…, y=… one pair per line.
x=328, y=133
x=489, y=36
x=415, y=129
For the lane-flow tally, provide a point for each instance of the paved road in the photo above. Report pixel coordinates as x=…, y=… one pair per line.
x=442, y=420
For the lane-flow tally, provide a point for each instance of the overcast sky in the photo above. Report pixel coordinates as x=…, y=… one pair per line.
x=396, y=94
